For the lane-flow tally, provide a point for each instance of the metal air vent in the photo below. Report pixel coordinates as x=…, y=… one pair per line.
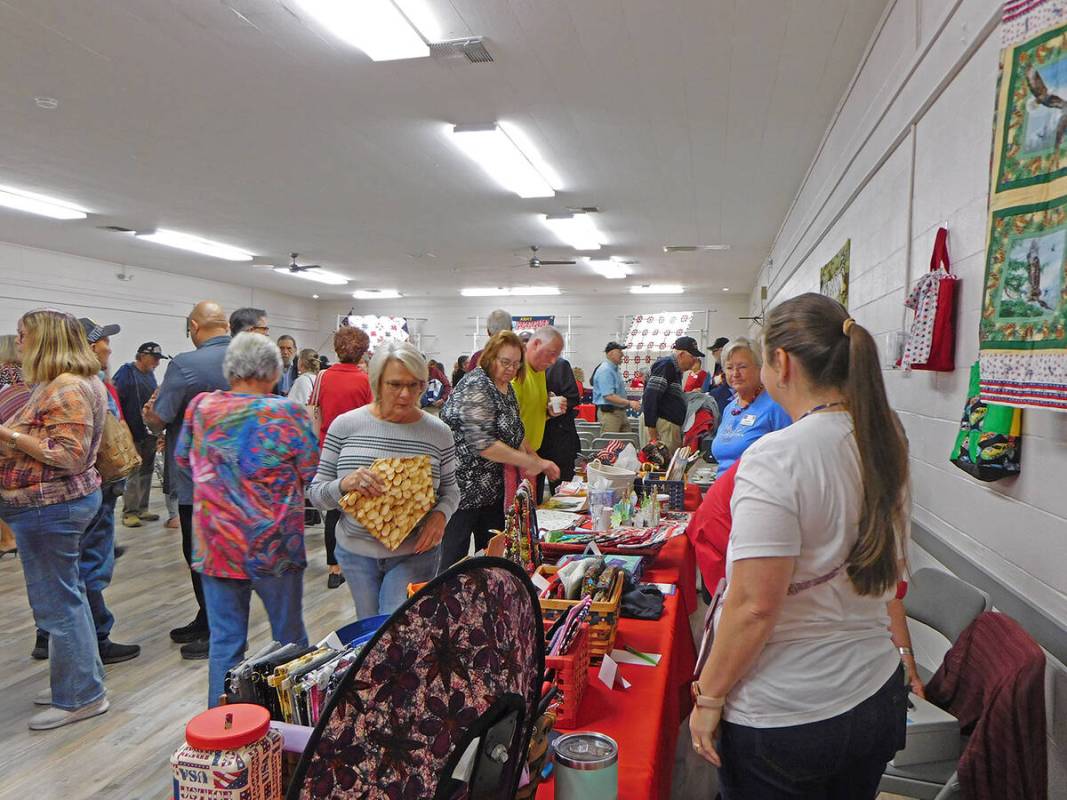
x=473, y=48
x=693, y=248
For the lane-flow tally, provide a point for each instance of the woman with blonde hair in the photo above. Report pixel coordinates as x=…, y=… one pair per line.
x=803, y=679
x=10, y=363
x=307, y=367
x=10, y=376
x=49, y=492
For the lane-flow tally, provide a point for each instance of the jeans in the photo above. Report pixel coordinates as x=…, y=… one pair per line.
x=329, y=536
x=96, y=565
x=228, y=600
x=49, y=541
x=185, y=517
x=479, y=521
x=172, y=505
x=139, y=485
x=380, y=585
x=841, y=758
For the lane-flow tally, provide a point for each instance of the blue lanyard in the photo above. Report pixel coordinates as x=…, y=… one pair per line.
x=822, y=407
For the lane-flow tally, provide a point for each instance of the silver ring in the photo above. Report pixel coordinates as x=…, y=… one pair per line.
x=696, y=746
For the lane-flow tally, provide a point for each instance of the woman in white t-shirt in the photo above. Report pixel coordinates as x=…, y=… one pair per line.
x=307, y=365
x=803, y=679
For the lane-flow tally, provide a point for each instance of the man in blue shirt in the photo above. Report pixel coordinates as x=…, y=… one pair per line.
x=188, y=375
x=135, y=383
x=609, y=392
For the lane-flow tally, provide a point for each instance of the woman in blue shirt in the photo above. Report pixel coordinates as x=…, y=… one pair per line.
x=751, y=413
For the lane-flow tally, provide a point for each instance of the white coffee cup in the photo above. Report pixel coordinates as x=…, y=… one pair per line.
x=557, y=404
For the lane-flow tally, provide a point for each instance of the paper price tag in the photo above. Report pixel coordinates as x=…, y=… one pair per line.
x=609, y=672
x=595, y=548
x=539, y=581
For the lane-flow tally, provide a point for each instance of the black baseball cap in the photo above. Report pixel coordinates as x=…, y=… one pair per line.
x=151, y=349
x=94, y=331
x=720, y=343
x=613, y=345
x=688, y=344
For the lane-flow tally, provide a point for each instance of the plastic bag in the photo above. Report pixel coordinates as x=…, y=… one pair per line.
x=628, y=459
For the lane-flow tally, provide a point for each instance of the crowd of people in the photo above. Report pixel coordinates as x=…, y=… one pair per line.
x=811, y=497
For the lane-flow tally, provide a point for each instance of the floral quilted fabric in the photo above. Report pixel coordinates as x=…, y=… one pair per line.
x=443, y=662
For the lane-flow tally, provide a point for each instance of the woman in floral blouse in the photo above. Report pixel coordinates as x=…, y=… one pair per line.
x=49, y=491
x=251, y=454
x=484, y=417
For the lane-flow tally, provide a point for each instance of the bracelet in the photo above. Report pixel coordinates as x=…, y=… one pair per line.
x=707, y=701
x=15, y=436
x=905, y=651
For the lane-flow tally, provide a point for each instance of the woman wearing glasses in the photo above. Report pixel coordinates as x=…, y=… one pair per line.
x=484, y=417
x=391, y=426
x=752, y=412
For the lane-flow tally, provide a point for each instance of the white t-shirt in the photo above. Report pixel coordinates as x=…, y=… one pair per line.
x=798, y=494
x=302, y=387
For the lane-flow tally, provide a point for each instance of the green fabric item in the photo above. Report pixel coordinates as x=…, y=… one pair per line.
x=989, y=442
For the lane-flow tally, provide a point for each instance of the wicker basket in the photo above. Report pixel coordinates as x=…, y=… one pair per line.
x=572, y=676
x=603, y=617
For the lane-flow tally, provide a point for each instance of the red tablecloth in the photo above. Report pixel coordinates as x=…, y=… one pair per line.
x=644, y=719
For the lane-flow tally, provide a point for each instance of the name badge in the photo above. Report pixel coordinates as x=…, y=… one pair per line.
x=748, y=420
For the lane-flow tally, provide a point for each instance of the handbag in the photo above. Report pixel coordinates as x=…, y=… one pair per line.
x=932, y=340
x=117, y=457
x=988, y=445
x=314, y=411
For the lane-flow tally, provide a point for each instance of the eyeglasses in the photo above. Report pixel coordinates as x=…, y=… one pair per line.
x=263, y=329
x=399, y=386
x=507, y=363
x=737, y=368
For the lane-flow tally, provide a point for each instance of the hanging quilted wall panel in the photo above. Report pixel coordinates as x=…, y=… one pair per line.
x=650, y=338
x=380, y=328
x=833, y=277
x=1023, y=327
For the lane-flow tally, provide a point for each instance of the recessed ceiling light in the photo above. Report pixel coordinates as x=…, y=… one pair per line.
x=612, y=268
x=726, y=288
x=47, y=103
x=315, y=274
x=377, y=27
x=314, y=297
x=376, y=294
x=502, y=158
x=693, y=248
x=40, y=204
x=577, y=230
x=518, y=291
x=195, y=244
x=658, y=288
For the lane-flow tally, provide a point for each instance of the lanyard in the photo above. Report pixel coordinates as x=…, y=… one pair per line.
x=822, y=407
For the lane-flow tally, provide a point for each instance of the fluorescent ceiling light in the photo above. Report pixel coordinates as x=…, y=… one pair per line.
x=726, y=288
x=577, y=230
x=317, y=275
x=658, y=288
x=611, y=268
x=518, y=291
x=693, y=248
x=377, y=27
x=195, y=244
x=34, y=203
x=504, y=161
x=376, y=294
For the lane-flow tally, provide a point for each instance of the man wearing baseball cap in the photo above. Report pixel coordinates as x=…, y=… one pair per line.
x=609, y=391
x=716, y=384
x=136, y=383
x=663, y=402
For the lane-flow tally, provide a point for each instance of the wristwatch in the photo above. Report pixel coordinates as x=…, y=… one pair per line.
x=706, y=701
x=15, y=438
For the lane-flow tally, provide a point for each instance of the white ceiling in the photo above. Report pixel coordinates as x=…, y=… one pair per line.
x=684, y=121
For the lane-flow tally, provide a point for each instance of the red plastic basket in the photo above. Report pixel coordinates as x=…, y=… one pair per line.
x=572, y=676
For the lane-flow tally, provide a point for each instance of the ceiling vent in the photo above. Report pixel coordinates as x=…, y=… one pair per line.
x=115, y=228
x=473, y=48
x=693, y=248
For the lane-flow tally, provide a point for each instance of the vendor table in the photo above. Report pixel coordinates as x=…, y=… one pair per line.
x=644, y=719
x=587, y=412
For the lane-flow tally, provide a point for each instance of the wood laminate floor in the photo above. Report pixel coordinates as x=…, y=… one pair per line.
x=125, y=753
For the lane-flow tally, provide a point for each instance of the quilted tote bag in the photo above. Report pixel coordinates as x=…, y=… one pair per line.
x=989, y=441
x=932, y=344
x=117, y=457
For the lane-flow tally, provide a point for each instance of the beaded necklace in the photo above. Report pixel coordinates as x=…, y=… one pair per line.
x=736, y=410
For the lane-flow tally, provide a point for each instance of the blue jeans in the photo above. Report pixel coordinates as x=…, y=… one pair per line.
x=380, y=585
x=227, y=602
x=841, y=758
x=49, y=542
x=97, y=564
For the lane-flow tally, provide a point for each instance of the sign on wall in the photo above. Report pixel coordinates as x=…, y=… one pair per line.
x=529, y=323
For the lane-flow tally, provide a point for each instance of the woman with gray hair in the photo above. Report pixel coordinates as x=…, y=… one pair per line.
x=752, y=412
x=390, y=427
x=251, y=454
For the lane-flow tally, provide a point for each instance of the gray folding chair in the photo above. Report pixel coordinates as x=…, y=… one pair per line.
x=948, y=605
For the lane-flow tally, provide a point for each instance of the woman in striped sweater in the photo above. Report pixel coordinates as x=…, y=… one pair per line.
x=392, y=426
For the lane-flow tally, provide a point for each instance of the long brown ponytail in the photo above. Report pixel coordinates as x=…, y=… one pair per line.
x=836, y=352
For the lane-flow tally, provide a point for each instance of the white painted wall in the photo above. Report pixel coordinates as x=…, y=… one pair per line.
x=909, y=151
x=152, y=306
x=595, y=319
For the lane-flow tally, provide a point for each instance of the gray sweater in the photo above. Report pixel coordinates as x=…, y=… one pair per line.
x=355, y=439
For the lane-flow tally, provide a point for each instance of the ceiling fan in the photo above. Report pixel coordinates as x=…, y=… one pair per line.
x=536, y=263
x=293, y=266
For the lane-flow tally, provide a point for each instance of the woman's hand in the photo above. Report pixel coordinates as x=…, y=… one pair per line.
x=538, y=465
x=433, y=531
x=703, y=723
x=363, y=482
x=913, y=677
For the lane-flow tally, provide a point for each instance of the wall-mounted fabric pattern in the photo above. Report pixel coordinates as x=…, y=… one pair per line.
x=650, y=338
x=833, y=277
x=379, y=329
x=1023, y=327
